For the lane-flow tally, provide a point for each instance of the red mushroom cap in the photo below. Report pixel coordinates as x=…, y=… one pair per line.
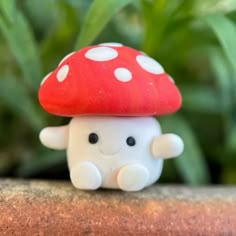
x=109, y=79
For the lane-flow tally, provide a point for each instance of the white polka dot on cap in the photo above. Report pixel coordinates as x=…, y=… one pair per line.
x=123, y=74
x=149, y=64
x=101, y=54
x=62, y=73
x=111, y=44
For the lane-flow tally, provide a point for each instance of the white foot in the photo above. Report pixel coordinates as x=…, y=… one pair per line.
x=132, y=177
x=86, y=176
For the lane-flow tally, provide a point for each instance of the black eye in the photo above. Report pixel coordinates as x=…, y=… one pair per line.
x=130, y=141
x=93, y=138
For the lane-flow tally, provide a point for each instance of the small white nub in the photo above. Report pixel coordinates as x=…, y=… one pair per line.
x=112, y=44
x=123, y=74
x=67, y=56
x=45, y=78
x=62, y=73
x=101, y=54
x=149, y=64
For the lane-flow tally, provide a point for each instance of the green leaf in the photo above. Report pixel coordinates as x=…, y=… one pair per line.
x=128, y=25
x=200, y=99
x=8, y=9
x=22, y=45
x=228, y=176
x=207, y=7
x=155, y=17
x=97, y=17
x=41, y=163
x=225, y=31
x=60, y=38
x=164, y=26
x=191, y=164
x=223, y=77
x=40, y=14
x=81, y=6
x=231, y=138
x=16, y=97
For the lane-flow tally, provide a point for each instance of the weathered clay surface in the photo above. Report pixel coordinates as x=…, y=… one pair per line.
x=56, y=208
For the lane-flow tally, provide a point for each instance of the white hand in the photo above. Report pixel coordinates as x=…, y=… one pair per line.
x=167, y=146
x=54, y=137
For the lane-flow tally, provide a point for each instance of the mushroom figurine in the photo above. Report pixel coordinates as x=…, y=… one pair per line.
x=112, y=92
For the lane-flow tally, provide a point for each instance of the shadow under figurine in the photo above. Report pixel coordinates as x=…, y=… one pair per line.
x=112, y=92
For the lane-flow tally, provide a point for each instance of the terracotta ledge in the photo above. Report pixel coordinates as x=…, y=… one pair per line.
x=56, y=208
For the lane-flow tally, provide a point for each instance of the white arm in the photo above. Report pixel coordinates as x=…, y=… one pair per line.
x=55, y=137
x=167, y=146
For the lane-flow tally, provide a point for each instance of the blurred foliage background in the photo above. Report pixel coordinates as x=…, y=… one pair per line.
x=195, y=41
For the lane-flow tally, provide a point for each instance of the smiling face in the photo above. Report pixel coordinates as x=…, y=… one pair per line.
x=112, y=142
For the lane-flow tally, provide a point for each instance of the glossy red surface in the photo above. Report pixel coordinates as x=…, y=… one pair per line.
x=91, y=88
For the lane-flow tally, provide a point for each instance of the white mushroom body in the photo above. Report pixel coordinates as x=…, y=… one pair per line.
x=112, y=91
x=113, y=152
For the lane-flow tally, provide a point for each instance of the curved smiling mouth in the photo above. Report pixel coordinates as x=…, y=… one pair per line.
x=109, y=153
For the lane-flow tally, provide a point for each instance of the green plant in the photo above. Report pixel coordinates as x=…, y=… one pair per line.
x=193, y=40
